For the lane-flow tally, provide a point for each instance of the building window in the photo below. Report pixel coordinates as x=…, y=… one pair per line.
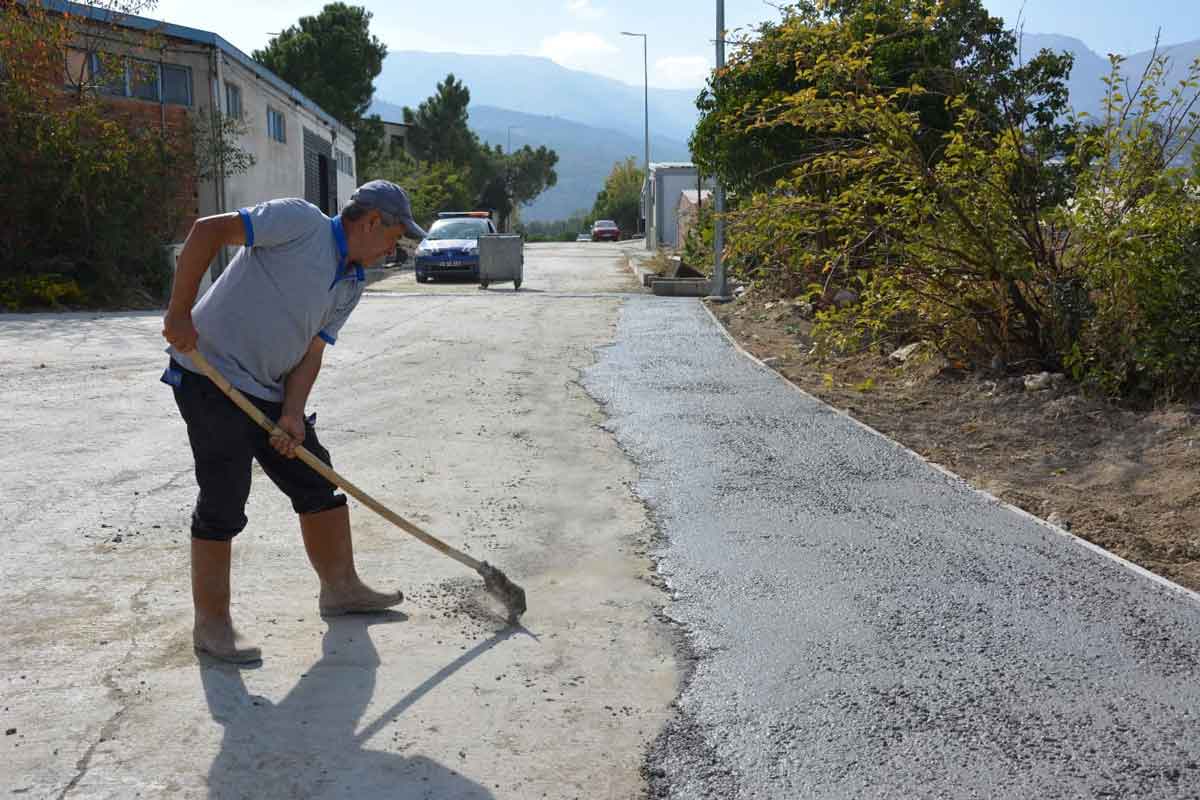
x=77, y=68
x=345, y=163
x=233, y=100
x=176, y=85
x=144, y=80
x=276, y=125
x=109, y=74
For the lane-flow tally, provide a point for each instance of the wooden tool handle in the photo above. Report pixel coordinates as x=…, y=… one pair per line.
x=326, y=471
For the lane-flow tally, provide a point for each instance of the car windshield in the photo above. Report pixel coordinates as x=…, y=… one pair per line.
x=458, y=229
x=606, y=223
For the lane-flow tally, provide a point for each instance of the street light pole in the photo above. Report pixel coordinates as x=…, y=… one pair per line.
x=646, y=98
x=720, y=289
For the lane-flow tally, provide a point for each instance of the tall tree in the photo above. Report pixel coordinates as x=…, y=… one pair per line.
x=439, y=126
x=333, y=59
x=621, y=198
x=964, y=52
x=531, y=172
x=440, y=132
x=432, y=187
x=509, y=180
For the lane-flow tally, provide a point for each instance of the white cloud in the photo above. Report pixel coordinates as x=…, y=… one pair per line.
x=681, y=72
x=584, y=9
x=577, y=50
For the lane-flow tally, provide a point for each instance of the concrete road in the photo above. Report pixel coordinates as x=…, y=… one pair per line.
x=861, y=624
x=858, y=623
x=457, y=407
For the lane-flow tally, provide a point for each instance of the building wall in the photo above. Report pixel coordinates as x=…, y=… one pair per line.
x=176, y=122
x=279, y=169
x=666, y=187
x=347, y=182
x=688, y=216
x=396, y=136
x=173, y=120
x=669, y=186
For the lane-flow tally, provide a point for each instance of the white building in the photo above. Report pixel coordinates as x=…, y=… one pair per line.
x=396, y=138
x=661, y=193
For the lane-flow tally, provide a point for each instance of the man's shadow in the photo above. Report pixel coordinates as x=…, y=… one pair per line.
x=306, y=747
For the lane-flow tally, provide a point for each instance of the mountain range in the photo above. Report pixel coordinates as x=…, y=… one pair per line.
x=1086, y=83
x=593, y=122
x=586, y=154
x=541, y=87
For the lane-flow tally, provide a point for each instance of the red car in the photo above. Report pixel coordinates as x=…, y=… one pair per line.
x=605, y=230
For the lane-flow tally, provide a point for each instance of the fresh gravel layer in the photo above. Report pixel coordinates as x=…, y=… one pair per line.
x=865, y=625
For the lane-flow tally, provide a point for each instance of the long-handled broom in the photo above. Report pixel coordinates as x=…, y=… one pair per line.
x=494, y=581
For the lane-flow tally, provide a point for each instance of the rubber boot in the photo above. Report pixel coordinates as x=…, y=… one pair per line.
x=213, y=633
x=331, y=553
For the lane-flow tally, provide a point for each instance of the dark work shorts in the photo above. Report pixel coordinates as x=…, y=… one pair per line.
x=224, y=441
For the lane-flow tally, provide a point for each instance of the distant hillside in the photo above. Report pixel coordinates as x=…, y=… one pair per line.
x=1086, y=84
x=539, y=86
x=1087, y=90
x=586, y=154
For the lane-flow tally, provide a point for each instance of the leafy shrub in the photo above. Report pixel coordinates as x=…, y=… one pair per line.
x=41, y=291
x=910, y=158
x=1135, y=225
x=86, y=195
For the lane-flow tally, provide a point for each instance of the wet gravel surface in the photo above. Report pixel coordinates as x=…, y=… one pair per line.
x=860, y=624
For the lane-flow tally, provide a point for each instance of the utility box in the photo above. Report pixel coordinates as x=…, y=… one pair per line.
x=501, y=259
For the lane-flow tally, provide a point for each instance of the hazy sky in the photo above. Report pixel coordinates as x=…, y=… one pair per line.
x=585, y=34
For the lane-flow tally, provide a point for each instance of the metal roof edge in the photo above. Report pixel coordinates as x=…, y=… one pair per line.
x=279, y=83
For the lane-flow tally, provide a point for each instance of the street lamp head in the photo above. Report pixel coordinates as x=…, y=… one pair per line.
x=627, y=33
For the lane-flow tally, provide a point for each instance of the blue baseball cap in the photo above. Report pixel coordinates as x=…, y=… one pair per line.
x=390, y=199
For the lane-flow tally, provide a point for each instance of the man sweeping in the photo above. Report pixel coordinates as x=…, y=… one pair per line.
x=264, y=325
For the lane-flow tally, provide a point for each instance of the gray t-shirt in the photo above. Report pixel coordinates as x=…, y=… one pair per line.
x=288, y=285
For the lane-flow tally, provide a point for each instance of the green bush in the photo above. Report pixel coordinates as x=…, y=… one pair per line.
x=1135, y=224
x=41, y=291
x=915, y=160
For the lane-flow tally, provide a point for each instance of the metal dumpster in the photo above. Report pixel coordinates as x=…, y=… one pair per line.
x=501, y=259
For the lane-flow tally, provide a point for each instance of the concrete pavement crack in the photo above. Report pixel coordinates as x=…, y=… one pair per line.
x=168, y=484
x=109, y=728
x=84, y=764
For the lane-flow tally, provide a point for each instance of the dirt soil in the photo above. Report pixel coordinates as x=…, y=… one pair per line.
x=1125, y=480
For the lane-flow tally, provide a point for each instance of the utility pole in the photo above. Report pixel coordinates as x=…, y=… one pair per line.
x=646, y=98
x=720, y=288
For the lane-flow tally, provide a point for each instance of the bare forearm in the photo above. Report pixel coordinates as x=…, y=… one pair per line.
x=299, y=383
x=204, y=241
x=198, y=252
